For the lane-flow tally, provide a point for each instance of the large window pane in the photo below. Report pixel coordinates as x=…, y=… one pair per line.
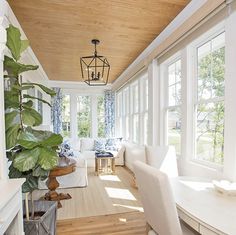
x=84, y=116
x=136, y=128
x=210, y=132
x=101, y=116
x=211, y=61
x=174, y=83
x=174, y=129
x=145, y=128
x=66, y=116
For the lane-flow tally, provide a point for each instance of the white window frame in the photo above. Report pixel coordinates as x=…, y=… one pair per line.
x=165, y=96
x=134, y=112
x=143, y=87
x=126, y=113
x=192, y=53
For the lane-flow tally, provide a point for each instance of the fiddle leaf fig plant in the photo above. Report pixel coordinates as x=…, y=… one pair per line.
x=32, y=153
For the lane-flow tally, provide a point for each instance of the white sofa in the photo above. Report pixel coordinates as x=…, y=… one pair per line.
x=87, y=150
x=160, y=157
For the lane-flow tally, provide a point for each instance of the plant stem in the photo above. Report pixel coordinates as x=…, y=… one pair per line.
x=26, y=206
x=21, y=103
x=32, y=206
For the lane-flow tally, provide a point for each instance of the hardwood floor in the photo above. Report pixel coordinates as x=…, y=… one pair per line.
x=130, y=223
x=105, y=195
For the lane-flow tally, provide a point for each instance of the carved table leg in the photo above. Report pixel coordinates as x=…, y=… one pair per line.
x=52, y=195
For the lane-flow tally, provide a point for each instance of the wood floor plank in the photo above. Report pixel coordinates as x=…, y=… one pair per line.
x=130, y=223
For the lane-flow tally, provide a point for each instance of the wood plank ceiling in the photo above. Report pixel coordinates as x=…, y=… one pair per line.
x=60, y=31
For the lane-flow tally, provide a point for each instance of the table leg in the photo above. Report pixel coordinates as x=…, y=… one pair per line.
x=113, y=165
x=52, y=195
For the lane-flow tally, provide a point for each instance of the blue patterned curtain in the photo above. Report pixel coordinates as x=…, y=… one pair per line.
x=57, y=111
x=109, y=113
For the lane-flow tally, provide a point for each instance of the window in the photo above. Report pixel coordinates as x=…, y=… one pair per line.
x=66, y=116
x=144, y=109
x=119, y=115
x=84, y=116
x=135, y=111
x=126, y=112
x=174, y=105
x=101, y=116
x=132, y=110
x=209, y=111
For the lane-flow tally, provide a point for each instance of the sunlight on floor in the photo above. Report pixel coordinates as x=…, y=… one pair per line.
x=120, y=193
x=110, y=178
x=138, y=208
x=123, y=220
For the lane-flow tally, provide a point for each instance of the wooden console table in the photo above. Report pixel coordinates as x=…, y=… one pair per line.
x=203, y=208
x=53, y=184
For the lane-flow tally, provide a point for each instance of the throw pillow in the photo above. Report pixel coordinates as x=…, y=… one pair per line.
x=113, y=144
x=65, y=150
x=99, y=145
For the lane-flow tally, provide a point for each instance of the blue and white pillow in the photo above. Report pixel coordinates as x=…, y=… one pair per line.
x=65, y=150
x=99, y=145
x=113, y=144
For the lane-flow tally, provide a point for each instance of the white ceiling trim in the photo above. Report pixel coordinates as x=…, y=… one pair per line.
x=82, y=86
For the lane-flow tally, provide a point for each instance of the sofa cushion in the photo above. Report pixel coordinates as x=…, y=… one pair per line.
x=99, y=144
x=113, y=144
x=89, y=154
x=86, y=144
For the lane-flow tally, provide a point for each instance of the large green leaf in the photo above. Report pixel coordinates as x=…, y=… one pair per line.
x=28, y=140
x=27, y=118
x=28, y=104
x=53, y=140
x=14, y=41
x=9, y=118
x=30, y=184
x=14, y=173
x=31, y=117
x=48, y=158
x=27, y=159
x=39, y=172
x=24, y=45
x=36, y=98
x=14, y=68
x=44, y=88
x=41, y=135
x=11, y=135
x=11, y=99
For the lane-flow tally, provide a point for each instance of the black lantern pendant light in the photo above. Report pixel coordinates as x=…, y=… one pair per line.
x=95, y=69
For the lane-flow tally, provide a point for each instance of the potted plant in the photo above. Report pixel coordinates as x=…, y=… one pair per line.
x=31, y=153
